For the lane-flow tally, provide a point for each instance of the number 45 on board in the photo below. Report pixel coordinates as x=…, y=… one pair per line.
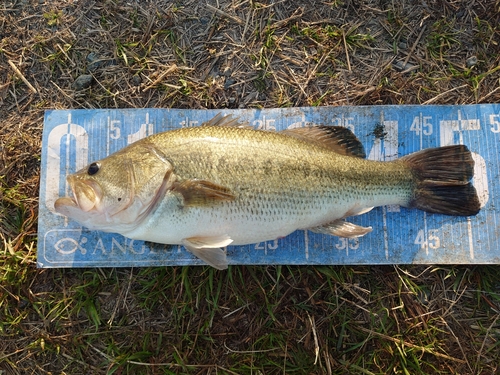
x=431, y=240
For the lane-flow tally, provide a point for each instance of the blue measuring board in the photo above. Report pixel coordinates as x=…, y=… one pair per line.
x=74, y=138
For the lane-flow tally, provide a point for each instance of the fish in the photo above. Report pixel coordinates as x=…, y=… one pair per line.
x=225, y=182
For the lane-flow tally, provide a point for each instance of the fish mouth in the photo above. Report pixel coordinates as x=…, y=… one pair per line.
x=87, y=196
x=65, y=206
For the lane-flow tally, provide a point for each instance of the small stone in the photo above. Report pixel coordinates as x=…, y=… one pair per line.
x=401, y=66
x=94, y=65
x=83, y=82
x=471, y=61
x=136, y=80
x=229, y=82
x=214, y=73
x=92, y=56
x=95, y=62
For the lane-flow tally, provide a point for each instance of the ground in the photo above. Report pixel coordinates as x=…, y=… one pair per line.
x=236, y=54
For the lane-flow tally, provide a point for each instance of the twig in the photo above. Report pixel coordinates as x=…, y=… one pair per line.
x=79, y=362
x=414, y=45
x=432, y=100
x=17, y=101
x=484, y=341
x=458, y=342
x=4, y=356
x=222, y=13
x=229, y=350
x=18, y=72
x=488, y=95
x=65, y=54
x=3, y=86
x=346, y=51
x=297, y=14
x=316, y=345
x=409, y=345
x=158, y=80
x=62, y=92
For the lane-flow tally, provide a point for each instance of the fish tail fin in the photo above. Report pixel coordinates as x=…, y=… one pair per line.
x=442, y=177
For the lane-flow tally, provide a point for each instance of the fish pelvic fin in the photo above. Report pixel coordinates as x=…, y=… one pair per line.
x=443, y=183
x=202, y=192
x=209, y=249
x=342, y=228
x=336, y=138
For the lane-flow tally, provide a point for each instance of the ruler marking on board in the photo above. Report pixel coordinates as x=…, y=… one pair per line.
x=471, y=243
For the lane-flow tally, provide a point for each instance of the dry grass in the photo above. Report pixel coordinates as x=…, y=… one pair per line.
x=248, y=320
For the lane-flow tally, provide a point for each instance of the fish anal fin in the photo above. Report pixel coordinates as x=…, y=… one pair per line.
x=336, y=138
x=342, y=228
x=209, y=249
x=202, y=192
x=227, y=120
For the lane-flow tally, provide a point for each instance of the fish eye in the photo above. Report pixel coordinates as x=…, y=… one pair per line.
x=93, y=169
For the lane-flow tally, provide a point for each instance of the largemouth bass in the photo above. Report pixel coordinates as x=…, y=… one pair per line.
x=226, y=183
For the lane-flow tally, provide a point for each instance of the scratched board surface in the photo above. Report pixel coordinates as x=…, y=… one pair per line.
x=74, y=138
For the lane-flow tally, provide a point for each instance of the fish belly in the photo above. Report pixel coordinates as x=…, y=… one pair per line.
x=243, y=224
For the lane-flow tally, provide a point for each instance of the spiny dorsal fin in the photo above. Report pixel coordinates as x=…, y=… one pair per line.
x=202, y=192
x=227, y=120
x=337, y=138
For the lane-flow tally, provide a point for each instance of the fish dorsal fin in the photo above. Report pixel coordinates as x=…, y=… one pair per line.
x=202, y=192
x=342, y=228
x=227, y=120
x=337, y=138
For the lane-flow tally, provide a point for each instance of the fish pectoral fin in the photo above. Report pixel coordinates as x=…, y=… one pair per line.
x=209, y=249
x=342, y=228
x=202, y=192
x=336, y=138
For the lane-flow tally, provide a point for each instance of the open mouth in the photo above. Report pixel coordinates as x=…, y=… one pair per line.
x=64, y=205
x=83, y=204
x=86, y=196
